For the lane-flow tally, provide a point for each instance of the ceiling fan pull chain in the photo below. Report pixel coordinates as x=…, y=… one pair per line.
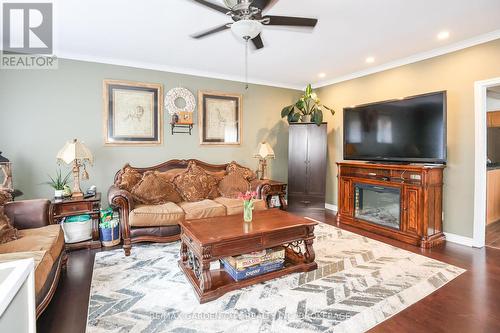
x=246, y=63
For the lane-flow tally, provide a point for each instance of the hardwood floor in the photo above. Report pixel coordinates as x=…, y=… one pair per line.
x=493, y=234
x=469, y=303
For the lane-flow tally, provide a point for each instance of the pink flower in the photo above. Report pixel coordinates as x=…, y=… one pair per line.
x=247, y=196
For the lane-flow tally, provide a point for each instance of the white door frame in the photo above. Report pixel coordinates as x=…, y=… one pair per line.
x=480, y=109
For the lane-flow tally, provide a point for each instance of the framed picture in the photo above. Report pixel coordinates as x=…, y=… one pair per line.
x=133, y=113
x=219, y=118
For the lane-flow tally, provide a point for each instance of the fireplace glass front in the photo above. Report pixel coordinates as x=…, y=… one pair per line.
x=377, y=204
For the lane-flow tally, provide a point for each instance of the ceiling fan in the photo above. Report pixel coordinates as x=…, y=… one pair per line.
x=249, y=19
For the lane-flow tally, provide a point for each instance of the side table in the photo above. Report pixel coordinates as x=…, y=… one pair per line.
x=77, y=206
x=276, y=188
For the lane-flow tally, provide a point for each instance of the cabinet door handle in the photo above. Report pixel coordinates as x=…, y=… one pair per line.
x=306, y=202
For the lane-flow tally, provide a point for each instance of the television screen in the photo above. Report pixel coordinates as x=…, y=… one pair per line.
x=412, y=129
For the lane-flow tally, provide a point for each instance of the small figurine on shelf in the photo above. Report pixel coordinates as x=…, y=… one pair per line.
x=248, y=199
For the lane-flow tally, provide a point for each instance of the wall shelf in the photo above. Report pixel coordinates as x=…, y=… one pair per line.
x=181, y=128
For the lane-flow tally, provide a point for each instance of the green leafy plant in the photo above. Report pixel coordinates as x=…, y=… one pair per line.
x=58, y=182
x=308, y=104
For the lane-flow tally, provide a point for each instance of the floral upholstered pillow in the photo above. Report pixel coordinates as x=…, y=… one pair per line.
x=218, y=175
x=236, y=181
x=246, y=173
x=194, y=184
x=153, y=189
x=129, y=178
x=7, y=231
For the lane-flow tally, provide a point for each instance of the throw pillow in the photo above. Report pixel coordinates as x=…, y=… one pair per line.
x=218, y=175
x=194, y=184
x=246, y=173
x=129, y=178
x=233, y=184
x=154, y=189
x=236, y=181
x=7, y=231
x=169, y=175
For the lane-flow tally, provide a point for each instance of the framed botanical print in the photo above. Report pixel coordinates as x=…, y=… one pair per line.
x=133, y=113
x=219, y=118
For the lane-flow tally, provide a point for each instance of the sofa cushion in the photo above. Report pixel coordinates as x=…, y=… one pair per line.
x=43, y=264
x=154, y=189
x=49, y=238
x=235, y=206
x=129, y=178
x=202, y=209
x=194, y=184
x=156, y=215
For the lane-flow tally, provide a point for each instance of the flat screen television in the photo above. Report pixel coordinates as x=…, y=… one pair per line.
x=412, y=129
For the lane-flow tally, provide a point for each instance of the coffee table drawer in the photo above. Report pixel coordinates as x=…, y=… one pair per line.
x=238, y=246
x=284, y=236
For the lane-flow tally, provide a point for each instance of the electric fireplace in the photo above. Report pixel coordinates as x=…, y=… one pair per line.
x=378, y=204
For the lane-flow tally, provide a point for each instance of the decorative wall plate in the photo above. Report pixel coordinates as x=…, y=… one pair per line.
x=179, y=92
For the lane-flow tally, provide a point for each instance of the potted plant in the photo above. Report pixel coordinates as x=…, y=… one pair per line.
x=308, y=108
x=58, y=183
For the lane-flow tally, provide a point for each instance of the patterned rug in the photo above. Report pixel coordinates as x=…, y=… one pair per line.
x=360, y=282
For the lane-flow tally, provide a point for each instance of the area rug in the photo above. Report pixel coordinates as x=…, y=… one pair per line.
x=360, y=282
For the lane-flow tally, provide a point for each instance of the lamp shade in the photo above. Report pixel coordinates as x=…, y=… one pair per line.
x=265, y=151
x=75, y=150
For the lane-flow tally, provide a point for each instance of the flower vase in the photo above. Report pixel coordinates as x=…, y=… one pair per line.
x=247, y=210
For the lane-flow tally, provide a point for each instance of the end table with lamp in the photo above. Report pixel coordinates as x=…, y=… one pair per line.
x=274, y=188
x=77, y=153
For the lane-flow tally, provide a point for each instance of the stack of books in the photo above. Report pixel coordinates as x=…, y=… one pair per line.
x=253, y=264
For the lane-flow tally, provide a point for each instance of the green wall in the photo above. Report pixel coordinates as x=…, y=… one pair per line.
x=42, y=109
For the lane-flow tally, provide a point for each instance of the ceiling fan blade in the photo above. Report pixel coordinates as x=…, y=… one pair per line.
x=257, y=42
x=212, y=5
x=290, y=21
x=261, y=4
x=211, y=31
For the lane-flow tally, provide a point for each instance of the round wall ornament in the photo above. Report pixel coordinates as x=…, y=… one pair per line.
x=179, y=93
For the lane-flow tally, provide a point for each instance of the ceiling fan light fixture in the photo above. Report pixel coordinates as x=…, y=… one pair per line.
x=246, y=29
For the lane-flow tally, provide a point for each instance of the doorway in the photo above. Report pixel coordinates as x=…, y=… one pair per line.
x=484, y=90
x=493, y=167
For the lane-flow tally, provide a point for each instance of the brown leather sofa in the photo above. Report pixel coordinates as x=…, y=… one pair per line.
x=40, y=240
x=160, y=223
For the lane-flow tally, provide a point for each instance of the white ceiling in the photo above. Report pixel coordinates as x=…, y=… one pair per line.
x=155, y=34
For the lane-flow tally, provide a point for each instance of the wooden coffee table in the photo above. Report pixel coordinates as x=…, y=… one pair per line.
x=211, y=239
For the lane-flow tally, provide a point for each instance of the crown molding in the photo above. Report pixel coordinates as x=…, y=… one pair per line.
x=481, y=39
x=173, y=69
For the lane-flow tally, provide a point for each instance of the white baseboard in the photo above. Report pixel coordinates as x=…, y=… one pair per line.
x=331, y=207
x=462, y=240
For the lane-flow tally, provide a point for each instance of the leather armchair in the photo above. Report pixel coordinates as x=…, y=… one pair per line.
x=40, y=240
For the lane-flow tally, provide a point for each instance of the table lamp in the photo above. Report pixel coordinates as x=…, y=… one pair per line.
x=265, y=152
x=76, y=153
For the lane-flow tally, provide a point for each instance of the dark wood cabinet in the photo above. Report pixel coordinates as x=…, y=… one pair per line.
x=307, y=148
x=403, y=202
